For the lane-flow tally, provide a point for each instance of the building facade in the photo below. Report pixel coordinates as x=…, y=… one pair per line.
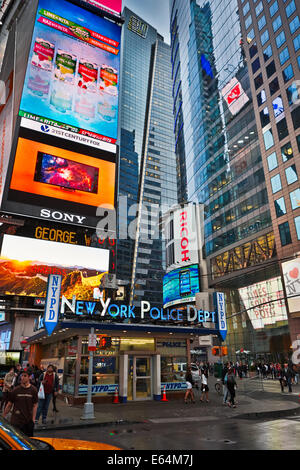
x=146, y=113
x=215, y=119
x=271, y=38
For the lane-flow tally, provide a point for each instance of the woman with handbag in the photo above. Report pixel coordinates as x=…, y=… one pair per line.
x=48, y=386
x=189, y=383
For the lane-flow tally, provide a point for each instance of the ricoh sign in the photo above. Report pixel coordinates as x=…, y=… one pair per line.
x=185, y=235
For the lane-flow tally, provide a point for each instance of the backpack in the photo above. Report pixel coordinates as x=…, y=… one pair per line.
x=230, y=379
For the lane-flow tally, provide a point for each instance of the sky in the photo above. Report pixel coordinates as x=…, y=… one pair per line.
x=155, y=12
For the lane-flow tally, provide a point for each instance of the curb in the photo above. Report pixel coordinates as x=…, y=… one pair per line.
x=77, y=424
x=270, y=414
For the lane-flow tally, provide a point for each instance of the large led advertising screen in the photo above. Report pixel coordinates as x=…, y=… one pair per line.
x=73, y=71
x=25, y=264
x=61, y=174
x=181, y=285
x=264, y=303
x=112, y=6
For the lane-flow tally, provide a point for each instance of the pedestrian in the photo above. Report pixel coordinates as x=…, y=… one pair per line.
x=18, y=371
x=189, y=383
x=50, y=382
x=54, y=395
x=204, y=385
x=225, y=389
x=231, y=384
x=286, y=378
x=23, y=400
x=7, y=386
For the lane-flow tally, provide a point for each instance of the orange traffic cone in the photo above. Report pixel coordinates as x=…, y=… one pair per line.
x=164, y=397
x=116, y=396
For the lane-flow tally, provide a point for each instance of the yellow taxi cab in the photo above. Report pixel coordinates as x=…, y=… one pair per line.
x=13, y=439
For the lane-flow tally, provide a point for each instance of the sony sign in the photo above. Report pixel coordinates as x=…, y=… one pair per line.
x=62, y=216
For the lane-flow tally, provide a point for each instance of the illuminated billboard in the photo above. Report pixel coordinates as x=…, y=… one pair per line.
x=181, y=285
x=51, y=181
x=25, y=264
x=72, y=77
x=235, y=96
x=264, y=303
x=291, y=275
x=112, y=6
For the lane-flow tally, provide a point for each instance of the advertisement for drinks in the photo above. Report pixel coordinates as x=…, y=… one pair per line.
x=72, y=76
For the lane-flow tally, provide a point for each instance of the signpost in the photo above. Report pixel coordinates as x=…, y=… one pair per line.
x=52, y=303
x=88, y=411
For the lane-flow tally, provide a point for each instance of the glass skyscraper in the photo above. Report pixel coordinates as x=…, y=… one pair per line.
x=218, y=150
x=147, y=174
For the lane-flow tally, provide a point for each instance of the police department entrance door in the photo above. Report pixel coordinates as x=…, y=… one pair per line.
x=139, y=378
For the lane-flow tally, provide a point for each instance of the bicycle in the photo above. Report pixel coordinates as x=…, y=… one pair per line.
x=219, y=387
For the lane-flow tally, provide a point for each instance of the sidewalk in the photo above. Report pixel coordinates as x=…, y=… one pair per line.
x=260, y=404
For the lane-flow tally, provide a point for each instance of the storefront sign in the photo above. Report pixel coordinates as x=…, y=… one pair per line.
x=52, y=303
x=120, y=311
x=174, y=386
x=221, y=312
x=98, y=389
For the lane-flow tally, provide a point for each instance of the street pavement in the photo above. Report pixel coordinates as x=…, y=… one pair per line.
x=255, y=399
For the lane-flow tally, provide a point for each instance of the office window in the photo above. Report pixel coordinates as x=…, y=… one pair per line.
x=277, y=23
x=268, y=139
x=248, y=21
x=285, y=234
x=286, y=152
x=294, y=24
x=282, y=129
x=253, y=50
x=295, y=199
x=276, y=184
x=261, y=97
x=296, y=117
x=272, y=161
x=280, y=39
x=288, y=73
x=258, y=81
x=297, y=225
x=296, y=42
x=259, y=9
x=250, y=35
x=274, y=86
x=292, y=93
x=261, y=22
x=246, y=8
x=273, y=8
x=268, y=52
x=256, y=65
x=291, y=174
x=290, y=8
x=271, y=69
x=264, y=37
x=284, y=55
x=278, y=106
x=280, y=207
x=298, y=60
x=264, y=117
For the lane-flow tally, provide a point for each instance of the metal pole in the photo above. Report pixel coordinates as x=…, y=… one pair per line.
x=88, y=411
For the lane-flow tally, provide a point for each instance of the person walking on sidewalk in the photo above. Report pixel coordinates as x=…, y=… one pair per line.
x=231, y=384
x=225, y=389
x=189, y=383
x=286, y=378
x=50, y=382
x=24, y=399
x=7, y=387
x=204, y=385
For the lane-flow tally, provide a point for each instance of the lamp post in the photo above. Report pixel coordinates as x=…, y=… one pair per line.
x=88, y=411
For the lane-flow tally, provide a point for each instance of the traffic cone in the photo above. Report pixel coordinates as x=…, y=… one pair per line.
x=116, y=396
x=164, y=397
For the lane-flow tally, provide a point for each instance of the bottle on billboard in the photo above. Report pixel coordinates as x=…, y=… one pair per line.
x=108, y=90
x=64, y=75
x=86, y=88
x=41, y=67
